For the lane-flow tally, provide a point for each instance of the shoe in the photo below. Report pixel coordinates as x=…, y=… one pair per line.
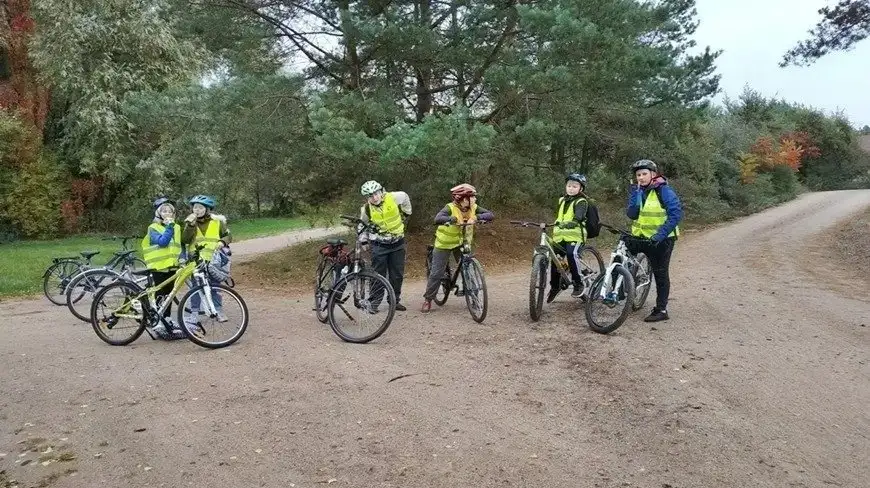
x=221, y=317
x=401, y=308
x=373, y=310
x=578, y=291
x=657, y=316
x=177, y=333
x=427, y=306
x=554, y=292
x=460, y=293
x=160, y=331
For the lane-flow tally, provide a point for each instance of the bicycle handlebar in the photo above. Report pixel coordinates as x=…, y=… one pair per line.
x=122, y=239
x=540, y=225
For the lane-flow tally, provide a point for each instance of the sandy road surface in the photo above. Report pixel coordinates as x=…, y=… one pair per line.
x=760, y=379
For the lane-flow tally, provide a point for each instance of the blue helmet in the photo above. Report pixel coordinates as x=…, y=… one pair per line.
x=578, y=178
x=161, y=200
x=204, y=200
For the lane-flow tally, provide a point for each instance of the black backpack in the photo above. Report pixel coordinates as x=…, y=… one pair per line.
x=593, y=222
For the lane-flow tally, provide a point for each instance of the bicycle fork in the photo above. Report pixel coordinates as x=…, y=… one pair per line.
x=608, y=292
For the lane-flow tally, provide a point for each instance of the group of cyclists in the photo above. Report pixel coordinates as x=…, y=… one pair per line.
x=653, y=206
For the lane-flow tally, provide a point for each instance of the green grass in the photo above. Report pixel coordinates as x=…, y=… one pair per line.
x=23, y=263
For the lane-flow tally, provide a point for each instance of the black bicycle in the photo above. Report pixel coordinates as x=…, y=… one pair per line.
x=473, y=281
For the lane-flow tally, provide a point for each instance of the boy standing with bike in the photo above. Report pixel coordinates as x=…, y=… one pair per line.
x=569, y=232
x=656, y=211
x=448, y=238
x=161, y=248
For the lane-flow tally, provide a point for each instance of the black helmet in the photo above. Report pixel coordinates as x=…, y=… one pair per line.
x=578, y=178
x=645, y=164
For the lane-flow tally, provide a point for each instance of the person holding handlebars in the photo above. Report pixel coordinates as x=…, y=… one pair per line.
x=388, y=211
x=569, y=232
x=161, y=248
x=656, y=211
x=448, y=235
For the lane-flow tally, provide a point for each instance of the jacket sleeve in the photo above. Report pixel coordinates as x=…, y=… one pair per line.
x=674, y=211
x=635, y=202
x=224, y=232
x=580, y=207
x=363, y=234
x=188, y=234
x=162, y=240
x=443, y=216
x=484, y=215
x=404, y=202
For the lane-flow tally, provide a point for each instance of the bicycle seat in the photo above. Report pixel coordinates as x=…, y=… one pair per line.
x=125, y=253
x=336, y=242
x=140, y=272
x=89, y=254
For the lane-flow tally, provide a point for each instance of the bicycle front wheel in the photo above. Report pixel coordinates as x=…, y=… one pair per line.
x=57, y=278
x=356, y=307
x=81, y=291
x=537, y=286
x=608, y=305
x=322, y=286
x=475, y=289
x=117, y=314
x=213, y=321
x=642, y=281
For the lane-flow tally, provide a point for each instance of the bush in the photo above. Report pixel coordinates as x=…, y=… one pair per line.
x=34, y=198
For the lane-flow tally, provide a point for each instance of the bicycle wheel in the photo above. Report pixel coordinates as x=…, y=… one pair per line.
x=615, y=300
x=642, y=281
x=322, y=286
x=444, y=290
x=475, y=290
x=57, y=278
x=213, y=330
x=138, y=265
x=117, y=315
x=81, y=291
x=355, y=307
x=537, y=285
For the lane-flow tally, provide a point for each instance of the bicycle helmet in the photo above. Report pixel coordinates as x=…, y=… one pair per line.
x=161, y=200
x=645, y=164
x=464, y=190
x=204, y=200
x=371, y=187
x=578, y=178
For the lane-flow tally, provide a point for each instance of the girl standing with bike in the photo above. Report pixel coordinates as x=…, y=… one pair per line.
x=448, y=235
x=161, y=248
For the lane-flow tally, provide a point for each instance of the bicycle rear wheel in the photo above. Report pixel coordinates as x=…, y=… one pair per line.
x=355, y=307
x=57, y=278
x=642, y=281
x=117, y=316
x=608, y=306
x=322, y=286
x=475, y=289
x=81, y=291
x=537, y=286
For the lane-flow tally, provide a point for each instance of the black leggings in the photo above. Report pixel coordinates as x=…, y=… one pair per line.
x=158, y=277
x=660, y=262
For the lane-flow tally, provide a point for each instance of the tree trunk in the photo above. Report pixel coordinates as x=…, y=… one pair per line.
x=423, y=68
x=20, y=91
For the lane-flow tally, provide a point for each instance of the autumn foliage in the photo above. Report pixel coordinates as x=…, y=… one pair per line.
x=767, y=153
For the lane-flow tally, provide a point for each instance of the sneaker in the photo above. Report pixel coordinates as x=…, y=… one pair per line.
x=221, y=317
x=177, y=333
x=578, y=291
x=160, y=331
x=427, y=306
x=554, y=292
x=400, y=307
x=657, y=316
x=373, y=309
x=460, y=293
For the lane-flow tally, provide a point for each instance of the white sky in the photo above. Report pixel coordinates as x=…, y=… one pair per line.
x=754, y=35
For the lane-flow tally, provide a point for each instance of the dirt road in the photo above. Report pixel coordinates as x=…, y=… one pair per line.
x=760, y=379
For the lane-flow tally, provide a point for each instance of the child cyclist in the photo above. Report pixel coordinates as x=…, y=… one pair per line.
x=569, y=232
x=448, y=236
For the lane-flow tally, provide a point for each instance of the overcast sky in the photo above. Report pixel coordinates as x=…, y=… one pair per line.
x=754, y=35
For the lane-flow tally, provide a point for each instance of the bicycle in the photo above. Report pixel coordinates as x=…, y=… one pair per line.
x=623, y=287
x=367, y=289
x=332, y=260
x=89, y=281
x=58, y=275
x=545, y=253
x=473, y=280
x=140, y=305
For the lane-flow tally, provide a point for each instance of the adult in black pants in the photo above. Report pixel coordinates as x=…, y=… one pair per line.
x=656, y=211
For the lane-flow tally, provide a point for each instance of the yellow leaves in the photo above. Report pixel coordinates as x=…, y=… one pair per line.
x=748, y=164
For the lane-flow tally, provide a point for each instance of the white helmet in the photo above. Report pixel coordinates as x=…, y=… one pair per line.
x=370, y=188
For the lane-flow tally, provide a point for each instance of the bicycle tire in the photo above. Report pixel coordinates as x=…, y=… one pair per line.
x=335, y=297
x=182, y=307
x=98, y=298
x=537, y=285
x=640, y=298
x=92, y=286
x=321, y=295
x=444, y=290
x=474, y=268
x=594, y=297
x=596, y=254
x=64, y=270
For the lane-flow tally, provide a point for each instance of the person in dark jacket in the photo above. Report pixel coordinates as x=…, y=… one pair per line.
x=656, y=211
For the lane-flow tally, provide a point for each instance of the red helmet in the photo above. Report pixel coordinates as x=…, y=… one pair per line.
x=464, y=190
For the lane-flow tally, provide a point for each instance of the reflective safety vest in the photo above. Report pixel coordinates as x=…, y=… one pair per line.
x=387, y=216
x=161, y=258
x=566, y=214
x=652, y=217
x=450, y=236
x=209, y=239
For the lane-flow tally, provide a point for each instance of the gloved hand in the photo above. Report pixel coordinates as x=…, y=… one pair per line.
x=453, y=220
x=570, y=225
x=190, y=218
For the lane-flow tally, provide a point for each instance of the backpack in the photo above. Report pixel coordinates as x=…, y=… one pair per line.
x=592, y=221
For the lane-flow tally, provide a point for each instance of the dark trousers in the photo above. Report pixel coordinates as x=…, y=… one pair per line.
x=158, y=277
x=565, y=249
x=388, y=260
x=660, y=262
